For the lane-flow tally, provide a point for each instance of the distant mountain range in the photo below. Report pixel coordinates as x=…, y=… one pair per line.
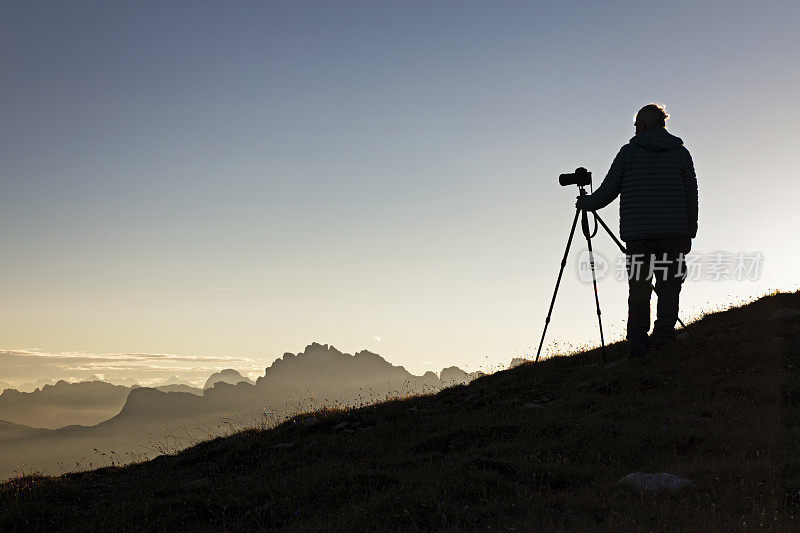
x=55, y=406
x=144, y=421
x=9, y=431
x=229, y=375
x=30, y=387
x=62, y=404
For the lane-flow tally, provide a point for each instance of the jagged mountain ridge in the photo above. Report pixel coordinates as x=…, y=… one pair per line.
x=320, y=371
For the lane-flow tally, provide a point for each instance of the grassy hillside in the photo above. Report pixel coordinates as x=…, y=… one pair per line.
x=537, y=446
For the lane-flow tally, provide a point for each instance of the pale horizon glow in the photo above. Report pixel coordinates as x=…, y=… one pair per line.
x=239, y=182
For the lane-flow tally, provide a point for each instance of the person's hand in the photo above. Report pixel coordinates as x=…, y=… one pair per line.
x=579, y=202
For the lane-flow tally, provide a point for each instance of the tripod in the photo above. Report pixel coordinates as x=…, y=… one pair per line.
x=585, y=228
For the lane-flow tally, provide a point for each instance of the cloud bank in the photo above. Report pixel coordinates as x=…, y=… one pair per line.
x=19, y=366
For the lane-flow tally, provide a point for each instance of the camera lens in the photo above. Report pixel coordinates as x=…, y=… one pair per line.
x=581, y=177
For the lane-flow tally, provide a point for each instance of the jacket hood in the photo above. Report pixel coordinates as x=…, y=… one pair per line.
x=657, y=140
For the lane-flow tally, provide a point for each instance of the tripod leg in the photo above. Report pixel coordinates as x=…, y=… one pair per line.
x=558, y=281
x=610, y=233
x=585, y=225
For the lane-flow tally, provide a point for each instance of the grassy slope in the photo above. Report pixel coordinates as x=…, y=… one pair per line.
x=721, y=409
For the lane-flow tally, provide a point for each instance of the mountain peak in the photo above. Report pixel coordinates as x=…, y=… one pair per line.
x=228, y=375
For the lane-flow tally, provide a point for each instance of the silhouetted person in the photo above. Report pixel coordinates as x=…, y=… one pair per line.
x=654, y=176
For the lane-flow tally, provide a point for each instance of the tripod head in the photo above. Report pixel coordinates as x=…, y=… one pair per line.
x=581, y=177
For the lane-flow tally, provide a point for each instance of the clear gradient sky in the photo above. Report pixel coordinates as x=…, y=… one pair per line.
x=241, y=179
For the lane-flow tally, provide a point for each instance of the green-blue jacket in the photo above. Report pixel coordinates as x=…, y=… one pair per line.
x=654, y=176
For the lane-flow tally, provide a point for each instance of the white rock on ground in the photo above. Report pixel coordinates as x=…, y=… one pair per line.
x=655, y=482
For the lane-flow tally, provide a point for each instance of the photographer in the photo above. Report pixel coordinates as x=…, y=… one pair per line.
x=654, y=176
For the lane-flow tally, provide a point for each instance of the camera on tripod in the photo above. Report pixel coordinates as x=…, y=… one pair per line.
x=581, y=177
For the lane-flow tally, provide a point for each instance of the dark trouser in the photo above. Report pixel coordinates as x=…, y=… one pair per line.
x=663, y=259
